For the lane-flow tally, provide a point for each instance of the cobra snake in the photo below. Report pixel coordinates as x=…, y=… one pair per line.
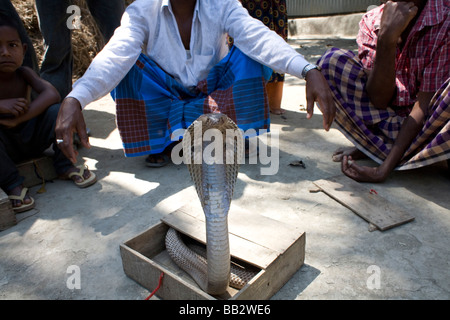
x=214, y=183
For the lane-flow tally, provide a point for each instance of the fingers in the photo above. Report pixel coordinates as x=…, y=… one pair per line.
x=397, y=16
x=349, y=168
x=22, y=102
x=16, y=111
x=408, y=5
x=70, y=120
x=82, y=133
x=66, y=145
x=318, y=90
x=328, y=110
x=309, y=107
x=327, y=107
x=413, y=10
x=345, y=164
x=20, y=107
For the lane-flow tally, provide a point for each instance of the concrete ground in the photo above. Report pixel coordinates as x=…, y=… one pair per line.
x=344, y=260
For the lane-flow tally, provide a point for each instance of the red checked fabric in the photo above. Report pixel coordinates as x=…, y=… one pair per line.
x=423, y=63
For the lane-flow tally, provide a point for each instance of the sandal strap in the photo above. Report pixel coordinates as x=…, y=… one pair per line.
x=79, y=173
x=23, y=193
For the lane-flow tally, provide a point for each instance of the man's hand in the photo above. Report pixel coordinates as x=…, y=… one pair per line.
x=362, y=173
x=70, y=120
x=317, y=90
x=396, y=18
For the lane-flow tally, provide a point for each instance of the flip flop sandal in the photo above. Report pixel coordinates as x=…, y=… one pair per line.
x=24, y=207
x=86, y=182
x=156, y=163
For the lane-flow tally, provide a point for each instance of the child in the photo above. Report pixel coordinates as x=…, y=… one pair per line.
x=26, y=125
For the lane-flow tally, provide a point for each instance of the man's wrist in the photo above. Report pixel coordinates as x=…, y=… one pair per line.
x=308, y=68
x=72, y=101
x=387, y=38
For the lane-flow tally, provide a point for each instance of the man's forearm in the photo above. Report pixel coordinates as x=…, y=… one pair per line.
x=381, y=82
x=409, y=130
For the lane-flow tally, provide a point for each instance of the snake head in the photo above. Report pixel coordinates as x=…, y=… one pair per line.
x=213, y=119
x=198, y=136
x=212, y=147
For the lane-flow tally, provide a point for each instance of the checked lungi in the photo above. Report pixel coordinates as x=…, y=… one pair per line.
x=151, y=105
x=373, y=131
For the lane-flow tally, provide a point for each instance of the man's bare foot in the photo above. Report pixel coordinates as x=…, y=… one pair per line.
x=278, y=111
x=339, y=154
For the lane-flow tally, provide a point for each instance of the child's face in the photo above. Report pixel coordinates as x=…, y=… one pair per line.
x=12, y=50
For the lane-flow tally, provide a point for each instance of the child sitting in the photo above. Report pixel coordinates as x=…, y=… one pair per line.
x=27, y=125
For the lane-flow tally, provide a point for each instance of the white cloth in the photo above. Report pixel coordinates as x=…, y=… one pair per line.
x=149, y=26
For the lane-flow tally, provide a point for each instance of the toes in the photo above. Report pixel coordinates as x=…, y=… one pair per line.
x=277, y=111
x=86, y=174
x=343, y=151
x=18, y=203
x=337, y=157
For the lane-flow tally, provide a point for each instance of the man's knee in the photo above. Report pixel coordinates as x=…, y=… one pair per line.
x=51, y=114
x=336, y=58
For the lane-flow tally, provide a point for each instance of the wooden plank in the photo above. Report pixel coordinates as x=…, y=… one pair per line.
x=240, y=248
x=277, y=274
x=368, y=205
x=249, y=225
x=267, y=232
x=149, y=242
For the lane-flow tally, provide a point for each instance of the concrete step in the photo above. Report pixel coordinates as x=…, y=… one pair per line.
x=344, y=26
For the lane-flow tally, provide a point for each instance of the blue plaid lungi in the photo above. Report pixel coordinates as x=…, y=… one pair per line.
x=151, y=104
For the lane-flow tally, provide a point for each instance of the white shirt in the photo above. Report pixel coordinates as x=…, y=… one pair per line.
x=149, y=26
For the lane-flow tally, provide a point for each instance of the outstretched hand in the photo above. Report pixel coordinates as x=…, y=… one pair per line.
x=317, y=90
x=70, y=120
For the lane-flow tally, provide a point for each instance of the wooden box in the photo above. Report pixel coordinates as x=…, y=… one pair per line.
x=276, y=249
x=7, y=216
x=37, y=171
